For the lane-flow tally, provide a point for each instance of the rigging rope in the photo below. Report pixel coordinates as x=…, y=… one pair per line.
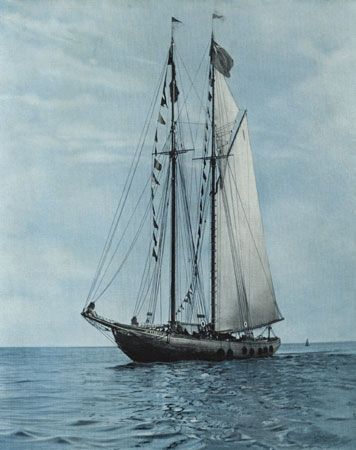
x=127, y=186
x=121, y=239
x=126, y=255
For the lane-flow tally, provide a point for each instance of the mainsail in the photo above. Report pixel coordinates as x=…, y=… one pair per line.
x=245, y=295
x=226, y=112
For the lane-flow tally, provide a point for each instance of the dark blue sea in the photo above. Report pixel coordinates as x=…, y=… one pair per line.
x=86, y=398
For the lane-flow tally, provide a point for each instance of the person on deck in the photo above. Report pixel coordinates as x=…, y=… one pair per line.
x=134, y=321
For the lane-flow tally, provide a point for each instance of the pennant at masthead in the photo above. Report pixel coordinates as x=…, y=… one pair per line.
x=174, y=20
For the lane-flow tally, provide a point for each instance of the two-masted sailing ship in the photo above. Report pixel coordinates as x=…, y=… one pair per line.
x=205, y=267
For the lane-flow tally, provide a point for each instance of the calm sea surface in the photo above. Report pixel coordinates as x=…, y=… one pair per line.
x=56, y=398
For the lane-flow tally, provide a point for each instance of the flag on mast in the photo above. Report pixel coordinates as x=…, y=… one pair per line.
x=220, y=59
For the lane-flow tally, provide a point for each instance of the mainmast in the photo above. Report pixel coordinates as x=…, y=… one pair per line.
x=173, y=158
x=212, y=197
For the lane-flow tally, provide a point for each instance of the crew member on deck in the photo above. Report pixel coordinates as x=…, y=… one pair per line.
x=134, y=321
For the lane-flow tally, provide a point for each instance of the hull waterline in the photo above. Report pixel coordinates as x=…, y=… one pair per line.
x=150, y=346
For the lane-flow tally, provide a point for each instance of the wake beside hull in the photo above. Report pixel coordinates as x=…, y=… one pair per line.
x=145, y=345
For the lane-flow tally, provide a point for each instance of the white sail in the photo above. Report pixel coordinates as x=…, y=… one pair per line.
x=245, y=294
x=226, y=112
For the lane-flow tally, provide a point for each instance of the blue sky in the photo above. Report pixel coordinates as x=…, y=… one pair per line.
x=75, y=84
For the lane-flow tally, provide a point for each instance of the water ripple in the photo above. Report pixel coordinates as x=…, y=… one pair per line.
x=95, y=398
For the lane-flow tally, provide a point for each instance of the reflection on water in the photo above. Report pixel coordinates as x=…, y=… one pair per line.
x=96, y=398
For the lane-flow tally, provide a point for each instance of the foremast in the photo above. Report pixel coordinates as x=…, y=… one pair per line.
x=173, y=161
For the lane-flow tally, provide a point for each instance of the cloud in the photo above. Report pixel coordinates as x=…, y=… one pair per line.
x=101, y=157
x=57, y=50
x=34, y=100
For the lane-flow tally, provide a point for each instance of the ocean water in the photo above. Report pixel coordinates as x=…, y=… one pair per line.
x=86, y=398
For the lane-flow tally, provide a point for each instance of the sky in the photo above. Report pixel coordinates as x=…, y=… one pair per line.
x=76, y=81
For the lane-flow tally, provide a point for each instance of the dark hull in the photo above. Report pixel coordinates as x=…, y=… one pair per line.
x=145, y=345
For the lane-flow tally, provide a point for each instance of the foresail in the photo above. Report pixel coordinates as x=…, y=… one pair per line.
x=245, y=293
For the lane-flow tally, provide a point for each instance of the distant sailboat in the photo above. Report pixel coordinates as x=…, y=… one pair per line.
x=218, y=221
x=307, y=343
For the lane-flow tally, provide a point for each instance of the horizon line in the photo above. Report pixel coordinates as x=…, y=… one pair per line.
x=114, y=346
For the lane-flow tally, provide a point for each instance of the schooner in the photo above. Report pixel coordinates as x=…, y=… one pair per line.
x=206, y=266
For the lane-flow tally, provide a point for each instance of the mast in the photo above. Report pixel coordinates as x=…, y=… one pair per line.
x=173, y=157
x=212, y=200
